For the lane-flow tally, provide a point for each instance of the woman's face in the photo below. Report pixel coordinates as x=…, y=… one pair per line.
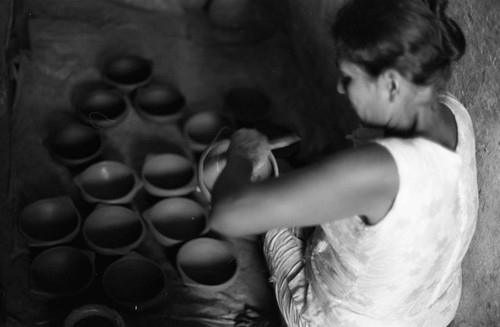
x=365, y=94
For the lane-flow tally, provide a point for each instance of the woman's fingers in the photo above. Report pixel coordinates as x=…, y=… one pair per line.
x=251, y=144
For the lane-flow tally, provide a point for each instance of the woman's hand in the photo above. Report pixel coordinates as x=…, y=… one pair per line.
x=253, y=145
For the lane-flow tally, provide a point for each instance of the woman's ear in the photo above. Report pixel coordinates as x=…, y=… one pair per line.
x=392, y=82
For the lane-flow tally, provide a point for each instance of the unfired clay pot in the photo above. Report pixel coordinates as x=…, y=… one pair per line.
x=113, y=230
x=75, y=144
x=49, y=222
x=109, y=182
x=168, y=174
x=127, y=72
x=62, y=271
x=213, y=161
x=134, y=281
x=159, y=103
x=201, y=128
x=176, y=220
x=94, y=315
x=208, y=263
x=101, y=106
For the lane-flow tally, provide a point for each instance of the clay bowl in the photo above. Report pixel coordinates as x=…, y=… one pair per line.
x=207, y=263
x=113, y=230
x=201, y=128
x=134, y=282
x=168, y=174
x=213, y=161
x=176, y=220
x=94, y=315
x=75, y=144
x=100, y=106
x=110, y=182
x=240, y=21
x=230, y=14
x=248, y=106
x=159, y=103
x=49, y=222
x=62, y=271
x=127, y=72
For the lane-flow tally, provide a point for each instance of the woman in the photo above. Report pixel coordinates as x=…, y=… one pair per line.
x=392, y=218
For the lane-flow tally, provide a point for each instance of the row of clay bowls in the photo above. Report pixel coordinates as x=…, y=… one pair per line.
x=113, y=228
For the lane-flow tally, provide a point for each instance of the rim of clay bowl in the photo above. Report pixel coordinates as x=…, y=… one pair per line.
x=248, y=23
x=72, y=156
x=108, y=214
x=157, y=164
x=100, y=97
x=170, y=204
x=201, y=248
x=87, y=174
x=69, y=250
x=159, y=96
x=150, y=299
x=213, y=120
x=49, y=204
x=223, y=144
x=94, y=310
x=127, y=71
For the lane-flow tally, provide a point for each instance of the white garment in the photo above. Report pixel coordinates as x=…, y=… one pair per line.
x=404, y=271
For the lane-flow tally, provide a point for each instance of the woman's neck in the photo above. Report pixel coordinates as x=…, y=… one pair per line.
x=427, y=117
x=416, y=107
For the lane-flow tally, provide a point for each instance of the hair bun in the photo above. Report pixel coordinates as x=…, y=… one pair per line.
x=453, y=37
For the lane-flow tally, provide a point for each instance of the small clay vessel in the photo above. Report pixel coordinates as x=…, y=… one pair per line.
x=175, y=220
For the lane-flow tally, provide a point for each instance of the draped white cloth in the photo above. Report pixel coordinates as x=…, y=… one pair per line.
x=403, y=271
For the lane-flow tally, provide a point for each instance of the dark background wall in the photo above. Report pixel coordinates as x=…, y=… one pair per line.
x=6, y=10
x=308, y=24
x=5, y=22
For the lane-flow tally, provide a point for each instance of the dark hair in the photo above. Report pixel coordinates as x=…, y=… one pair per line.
x=414, y=37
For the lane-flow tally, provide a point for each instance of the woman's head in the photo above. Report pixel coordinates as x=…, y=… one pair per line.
x=413, y=37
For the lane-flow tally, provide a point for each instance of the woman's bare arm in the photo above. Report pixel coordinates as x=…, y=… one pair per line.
x=361, y=181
